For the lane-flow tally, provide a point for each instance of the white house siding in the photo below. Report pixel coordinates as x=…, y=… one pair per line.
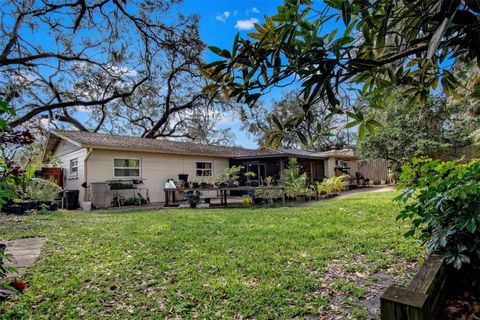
x=66, y=152
x=330, y=166
x=155, y=168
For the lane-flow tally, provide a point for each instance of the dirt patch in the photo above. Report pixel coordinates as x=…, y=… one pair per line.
x=354, y=287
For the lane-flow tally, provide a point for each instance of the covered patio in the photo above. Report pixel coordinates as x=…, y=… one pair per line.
x=272, y=164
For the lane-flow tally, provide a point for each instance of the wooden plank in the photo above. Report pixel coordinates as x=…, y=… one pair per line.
x=400, y=303
x=421, y=298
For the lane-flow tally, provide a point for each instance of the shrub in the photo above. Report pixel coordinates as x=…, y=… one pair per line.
x=443, y=201
x=42, y=190
x=295, y=184
x=266, y=193
x=333, y=184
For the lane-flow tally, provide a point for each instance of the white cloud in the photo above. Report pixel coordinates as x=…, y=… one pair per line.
x=255, y=10
x=246, y=24
x=223, y=17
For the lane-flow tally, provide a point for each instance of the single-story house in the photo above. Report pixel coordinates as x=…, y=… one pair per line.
x=87, y=158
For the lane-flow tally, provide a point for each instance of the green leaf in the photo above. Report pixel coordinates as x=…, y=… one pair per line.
x=216, y=50
x=346, y=12
x=277, y=121
x=235, y=44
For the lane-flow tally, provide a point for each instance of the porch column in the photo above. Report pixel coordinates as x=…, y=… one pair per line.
x=312, y=175
x=281, y=168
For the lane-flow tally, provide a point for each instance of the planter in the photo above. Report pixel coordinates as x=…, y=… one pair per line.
x=301, y=198
x=421, y=299
x=87, y=206
x=21, y=208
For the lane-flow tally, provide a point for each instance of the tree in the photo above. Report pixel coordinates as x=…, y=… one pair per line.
x=437, y=130
x=320, y=133
x=383, y=44
x=106, y=57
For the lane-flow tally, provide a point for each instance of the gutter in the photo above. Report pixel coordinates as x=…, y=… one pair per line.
x=85, y=168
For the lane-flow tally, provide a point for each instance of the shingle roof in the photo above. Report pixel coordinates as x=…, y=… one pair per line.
x=116, y=142
x=128, y=143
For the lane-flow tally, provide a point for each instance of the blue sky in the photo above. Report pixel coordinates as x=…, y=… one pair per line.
x=220, y=20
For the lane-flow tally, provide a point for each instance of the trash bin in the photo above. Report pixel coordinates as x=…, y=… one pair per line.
x=71, y=199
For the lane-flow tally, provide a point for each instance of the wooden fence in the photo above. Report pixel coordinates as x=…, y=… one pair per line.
x=376, y=170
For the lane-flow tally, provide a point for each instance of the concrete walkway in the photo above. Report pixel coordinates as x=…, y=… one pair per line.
x=24, y=252
x=368, y=189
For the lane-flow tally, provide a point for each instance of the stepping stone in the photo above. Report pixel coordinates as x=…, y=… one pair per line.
x=24, y=253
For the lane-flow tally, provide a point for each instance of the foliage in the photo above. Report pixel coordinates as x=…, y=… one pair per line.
x=193, y=197
x=269, y=261
x=438, y=130
x=250, y=174
x=383, y=44
x=443, y=201
x=334, y=184
x=265, y=192
x=4, y=269
x=319, y=132
x=230, y=174
x=10, y=142
x=43, y=190
x=294, y=183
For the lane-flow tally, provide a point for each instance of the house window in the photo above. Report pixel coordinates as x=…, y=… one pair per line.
x=126, y=168
x=204, y=169
x=74, y=167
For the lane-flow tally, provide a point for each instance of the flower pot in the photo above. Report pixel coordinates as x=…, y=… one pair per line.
x=21, y=208
x=300, y=198
x=87, y=206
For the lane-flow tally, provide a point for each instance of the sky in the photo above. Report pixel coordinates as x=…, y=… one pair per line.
x=220, y=21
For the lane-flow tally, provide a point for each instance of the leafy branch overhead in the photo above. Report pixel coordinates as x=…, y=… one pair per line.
x=377, y=45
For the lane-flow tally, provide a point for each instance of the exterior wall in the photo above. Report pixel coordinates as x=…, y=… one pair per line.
x=66, y=152
x=330, y=166
x=155, y=168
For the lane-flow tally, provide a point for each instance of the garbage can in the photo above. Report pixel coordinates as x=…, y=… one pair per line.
x=71, y=199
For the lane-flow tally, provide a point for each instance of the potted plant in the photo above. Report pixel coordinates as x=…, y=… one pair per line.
x=195, y=182
x=43, y=192
x=221, y=180
x=193, y=198
x=295, y=184
x=233, y=174
x=21, y=203
x=248, y=175
x=266, y=192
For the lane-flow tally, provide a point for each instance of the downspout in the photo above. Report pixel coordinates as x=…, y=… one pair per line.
x=85, y=168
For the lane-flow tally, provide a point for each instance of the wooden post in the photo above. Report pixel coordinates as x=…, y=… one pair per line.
x=421, y=298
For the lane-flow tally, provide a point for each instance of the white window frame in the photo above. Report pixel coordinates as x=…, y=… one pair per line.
x=203, y=170
x=128, y=177
x=71, y=173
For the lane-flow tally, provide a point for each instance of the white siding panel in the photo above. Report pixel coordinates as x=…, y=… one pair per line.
x=74, y=182
x=156, y=168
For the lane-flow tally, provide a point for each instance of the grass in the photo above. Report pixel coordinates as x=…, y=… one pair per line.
x=220, y=263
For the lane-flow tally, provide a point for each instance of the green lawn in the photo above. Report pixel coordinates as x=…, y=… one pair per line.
x=327, y=258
